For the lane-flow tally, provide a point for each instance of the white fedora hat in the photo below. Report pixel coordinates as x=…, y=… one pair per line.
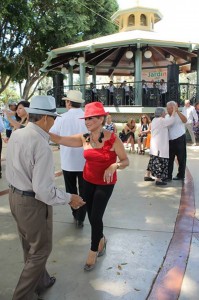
x=42, y=105
x=74, y=96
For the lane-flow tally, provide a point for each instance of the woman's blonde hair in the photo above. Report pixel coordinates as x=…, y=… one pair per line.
x=129, y=123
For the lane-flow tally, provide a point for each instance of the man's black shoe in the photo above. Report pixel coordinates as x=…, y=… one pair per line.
x=167, y=179
x=160, y=183
x=178, y=178
x=41, y=291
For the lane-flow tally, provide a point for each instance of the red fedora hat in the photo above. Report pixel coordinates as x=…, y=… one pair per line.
x=94, y=109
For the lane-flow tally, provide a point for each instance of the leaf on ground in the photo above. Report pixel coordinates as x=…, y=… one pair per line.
x=110, y=268
x=137, y=290
x=118, y=273
x=123, y=264
x=132, y=252
x=119, y=267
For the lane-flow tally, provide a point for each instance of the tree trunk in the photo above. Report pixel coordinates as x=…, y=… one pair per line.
x=5, y=80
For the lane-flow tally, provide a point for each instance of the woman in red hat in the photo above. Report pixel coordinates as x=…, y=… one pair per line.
x=101, y=150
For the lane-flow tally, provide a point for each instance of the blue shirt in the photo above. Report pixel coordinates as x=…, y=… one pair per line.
x=7, y=123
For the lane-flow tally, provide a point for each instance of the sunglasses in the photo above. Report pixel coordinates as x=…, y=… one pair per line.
x=143, y=118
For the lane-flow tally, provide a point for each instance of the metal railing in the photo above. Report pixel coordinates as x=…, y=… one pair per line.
x=151, y=96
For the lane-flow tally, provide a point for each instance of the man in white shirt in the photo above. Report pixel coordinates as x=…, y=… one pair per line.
x=191, y=115
x=111, y=89
x=126, y=93
x=72, y=159
x=30, y=173
x=163, y=92
x=177, y=143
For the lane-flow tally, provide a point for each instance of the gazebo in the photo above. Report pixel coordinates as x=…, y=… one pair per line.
x=136, y=50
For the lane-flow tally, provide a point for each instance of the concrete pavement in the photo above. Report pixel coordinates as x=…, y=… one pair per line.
x=146, y=227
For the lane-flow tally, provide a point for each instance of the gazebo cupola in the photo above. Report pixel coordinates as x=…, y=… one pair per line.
x=138, y=17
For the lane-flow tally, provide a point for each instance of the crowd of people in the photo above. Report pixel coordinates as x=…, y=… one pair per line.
x=110, y=91
x=91, y=152
x=125, y=93
x=86, y=147
x=168, y=141
x=165, y=137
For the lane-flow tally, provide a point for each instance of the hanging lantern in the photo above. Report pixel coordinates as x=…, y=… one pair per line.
x=147, y=54
x=64, y=70
x=72, y=62
x=129, y=54
x=81, y=60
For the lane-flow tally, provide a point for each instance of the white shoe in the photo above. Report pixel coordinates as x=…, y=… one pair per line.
x=194, y=144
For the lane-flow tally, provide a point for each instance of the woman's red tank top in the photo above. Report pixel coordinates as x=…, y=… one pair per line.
x=98, y=160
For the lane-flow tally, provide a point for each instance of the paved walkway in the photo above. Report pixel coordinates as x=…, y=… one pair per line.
x=152, y=249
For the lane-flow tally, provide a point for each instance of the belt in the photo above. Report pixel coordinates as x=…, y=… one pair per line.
x=22, y=193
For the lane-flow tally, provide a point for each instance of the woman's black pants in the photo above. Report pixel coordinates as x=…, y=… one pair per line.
x=96, y=197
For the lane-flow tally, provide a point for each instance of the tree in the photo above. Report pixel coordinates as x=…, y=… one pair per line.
x=9, y=94
x=14, y=24
x=42, y=25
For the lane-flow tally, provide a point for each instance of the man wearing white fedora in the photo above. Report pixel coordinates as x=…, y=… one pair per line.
x=30, y=173
x=72, y=159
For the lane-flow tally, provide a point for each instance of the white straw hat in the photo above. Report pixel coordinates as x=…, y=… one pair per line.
x=42, y=105
x=74, y=96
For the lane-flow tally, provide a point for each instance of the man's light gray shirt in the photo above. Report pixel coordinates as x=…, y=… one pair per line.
x=30, y=166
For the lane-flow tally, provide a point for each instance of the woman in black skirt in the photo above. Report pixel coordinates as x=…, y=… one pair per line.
x=159, y=147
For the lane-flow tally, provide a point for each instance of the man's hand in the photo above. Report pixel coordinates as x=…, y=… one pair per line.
x=76, y=201
x=8, y=113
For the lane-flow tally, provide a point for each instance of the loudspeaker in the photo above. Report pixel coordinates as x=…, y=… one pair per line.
x=173, y=74
x=172, y=83
x=58, y=87
x=194, y=64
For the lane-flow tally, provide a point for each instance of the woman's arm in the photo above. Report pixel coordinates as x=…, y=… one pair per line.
x=121, y=154
x=14, y=123
x=134, y=129
x=148, y=130
x=169, y=121
x=70, y=141
x=115, y=128
x=126, y=129
x=139, y=130
x=121, y=164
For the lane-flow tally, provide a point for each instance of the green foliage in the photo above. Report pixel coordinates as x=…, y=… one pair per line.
x=99, y=26
x=30, y=28
x=9, y=94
